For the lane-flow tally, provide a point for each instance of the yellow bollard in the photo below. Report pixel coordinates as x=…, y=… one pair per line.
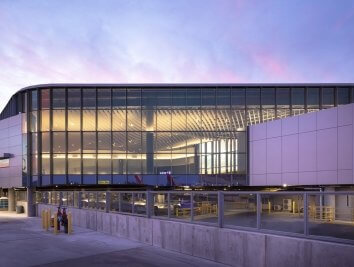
x=269, y=206
x=70, y=223
x=46, y=220
x=293, y=207
x=43, y=219
x=55, y=223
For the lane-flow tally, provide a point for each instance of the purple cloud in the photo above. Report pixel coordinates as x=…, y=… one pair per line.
x=174, y=42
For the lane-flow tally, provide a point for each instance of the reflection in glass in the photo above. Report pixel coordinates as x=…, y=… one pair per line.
x=89, y=163
x=45, y=125
x=34, y=143
x=104, y=142
x=223, y=98
x=118, y=98
x=253, y=97
x=283, y=97
x=74, y=142
x=74, y=120
x=133, y=98
x=34, y=121
x=193, y=97
x=89, y=120
x=327, y=97
x=179, y=120
x=119, y=120
x=45, y=100
x=58, y=120
x=133, y=120
x=134, y=142
x=89, y=98
x=148, y=120
x=268, y=97
x=58, y=98
x=34, y=169
x=74, y=164
x=34, y=100
x=163, y=120
x=134, y=163
x=119, y=142
x=104, y=120
x=89, y=142
x=238, y=98
x=119, y=164
x=74, y=98
x=59, y=163
x=313, y=97
x=193, y=120
x=104, y=98
x=208, y=98
x=59, y=142
x=46, y=142
x=104, y=164
x=298, y=97
x=45, y=164
x=343, y=96
x=178, y=97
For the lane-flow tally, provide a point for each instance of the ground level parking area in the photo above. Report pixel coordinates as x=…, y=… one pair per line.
x=24, y=243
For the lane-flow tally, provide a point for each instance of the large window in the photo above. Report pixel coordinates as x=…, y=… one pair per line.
x=89, y=164
x=74, y=142
x=59, y=120
x=313, y=98
x=89, y=142
x=59, y=142
x=74, y=164
x=59, y=163
x=74, y=120
x=89, y=98
x=104, y=142
x=45, y=122
x=74, y=98
x=89, y=120
x=45, y=99
x=104, y=98
x=58, y=98
x=104, y=120
x=194, y=135
x=327, y=97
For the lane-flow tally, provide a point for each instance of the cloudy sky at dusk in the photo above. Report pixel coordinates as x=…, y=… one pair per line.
x=184, y=41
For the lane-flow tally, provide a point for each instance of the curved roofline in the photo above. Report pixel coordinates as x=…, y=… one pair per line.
x=51, y=85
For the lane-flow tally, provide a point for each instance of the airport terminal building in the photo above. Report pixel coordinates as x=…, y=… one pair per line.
x=78, y=136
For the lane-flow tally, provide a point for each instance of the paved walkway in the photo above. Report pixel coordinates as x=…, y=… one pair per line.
x=24, y=243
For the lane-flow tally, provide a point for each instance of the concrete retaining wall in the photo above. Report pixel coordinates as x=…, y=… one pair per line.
x=232, y=247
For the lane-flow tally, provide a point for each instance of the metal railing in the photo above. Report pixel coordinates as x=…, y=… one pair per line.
x=318, y=215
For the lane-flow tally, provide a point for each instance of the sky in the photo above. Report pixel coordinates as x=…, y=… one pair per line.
x=181, y=41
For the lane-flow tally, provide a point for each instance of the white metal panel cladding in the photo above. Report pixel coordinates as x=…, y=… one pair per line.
x=317, y=152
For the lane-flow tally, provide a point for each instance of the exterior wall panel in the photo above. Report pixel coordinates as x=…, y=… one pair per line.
x=319, y=153
x=11, y=142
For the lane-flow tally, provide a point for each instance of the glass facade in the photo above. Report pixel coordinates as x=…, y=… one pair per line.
x=155, y=135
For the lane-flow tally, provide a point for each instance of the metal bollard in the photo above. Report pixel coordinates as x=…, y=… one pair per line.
x=48, y=218
x=269, y=207
x=43, y=219
x=55, y=223
x=70, y=223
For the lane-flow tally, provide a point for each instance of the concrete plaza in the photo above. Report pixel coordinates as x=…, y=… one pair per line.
x=24, y=243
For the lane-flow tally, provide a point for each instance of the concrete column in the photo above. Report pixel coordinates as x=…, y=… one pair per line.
x=11, y=197
x=31, y=212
